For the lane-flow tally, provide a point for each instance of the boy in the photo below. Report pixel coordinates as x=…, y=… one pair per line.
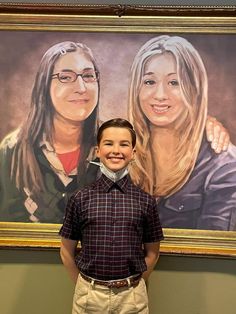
x=119, y=229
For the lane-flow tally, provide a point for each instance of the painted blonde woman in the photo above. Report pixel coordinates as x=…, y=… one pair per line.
x=45, y=160
x=195, y=186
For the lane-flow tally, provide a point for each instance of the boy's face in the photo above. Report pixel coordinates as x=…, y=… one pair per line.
x=115, y=148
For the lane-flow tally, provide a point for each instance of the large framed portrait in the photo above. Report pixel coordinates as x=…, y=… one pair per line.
x=65, y=69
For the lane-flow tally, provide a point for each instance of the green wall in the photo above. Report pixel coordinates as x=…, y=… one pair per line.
x=184, y=285
x=35, y=282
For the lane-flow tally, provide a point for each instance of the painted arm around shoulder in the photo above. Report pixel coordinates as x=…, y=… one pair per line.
x=67, y=253
x=152, y=251
x=217, y=135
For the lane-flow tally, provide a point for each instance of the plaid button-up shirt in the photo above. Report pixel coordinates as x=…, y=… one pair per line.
x=112, y=221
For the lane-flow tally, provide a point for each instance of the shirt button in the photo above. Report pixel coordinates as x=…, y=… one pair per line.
x=63, y=194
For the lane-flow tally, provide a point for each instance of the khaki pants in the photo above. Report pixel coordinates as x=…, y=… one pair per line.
x=97, y=299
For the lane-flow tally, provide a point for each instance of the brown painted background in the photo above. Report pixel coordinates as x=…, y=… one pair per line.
x=20, y=54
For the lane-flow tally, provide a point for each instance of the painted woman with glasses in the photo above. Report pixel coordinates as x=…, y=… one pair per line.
x=45, y=160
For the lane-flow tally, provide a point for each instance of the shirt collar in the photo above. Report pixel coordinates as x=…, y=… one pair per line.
x=46, y=144
x=107, y=184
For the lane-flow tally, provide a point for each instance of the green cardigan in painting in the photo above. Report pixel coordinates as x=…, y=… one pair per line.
x=19, y=205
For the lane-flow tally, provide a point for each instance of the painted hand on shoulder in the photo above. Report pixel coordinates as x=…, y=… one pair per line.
x=217, y=135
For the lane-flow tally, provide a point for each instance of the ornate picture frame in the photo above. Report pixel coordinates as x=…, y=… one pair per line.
x=119, y=19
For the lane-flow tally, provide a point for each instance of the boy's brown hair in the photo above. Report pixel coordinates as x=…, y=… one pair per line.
x=117, y=123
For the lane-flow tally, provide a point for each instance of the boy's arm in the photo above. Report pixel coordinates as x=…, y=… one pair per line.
x=151, y=257
x=67, y=252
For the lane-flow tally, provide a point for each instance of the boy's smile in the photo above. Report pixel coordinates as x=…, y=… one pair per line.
x=115, y=149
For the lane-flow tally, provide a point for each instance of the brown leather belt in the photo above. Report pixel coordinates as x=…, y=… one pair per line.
x=128, y=282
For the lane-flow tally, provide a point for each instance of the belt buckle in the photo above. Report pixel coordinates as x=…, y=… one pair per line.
x=112, y=284
x=117, y=284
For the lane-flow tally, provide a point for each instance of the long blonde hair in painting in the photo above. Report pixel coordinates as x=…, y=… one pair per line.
x=193, y=84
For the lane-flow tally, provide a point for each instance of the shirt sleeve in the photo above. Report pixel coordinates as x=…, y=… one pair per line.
x=70, y=228
x=152, y=226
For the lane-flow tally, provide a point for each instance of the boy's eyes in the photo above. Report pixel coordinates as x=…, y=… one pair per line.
x=111, y=144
